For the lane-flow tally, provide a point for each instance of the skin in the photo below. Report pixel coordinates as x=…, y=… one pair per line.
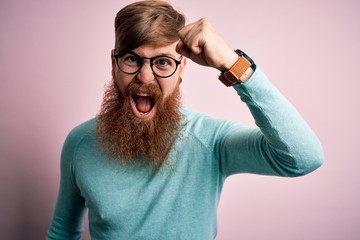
x=146, y=76
x=199, y=41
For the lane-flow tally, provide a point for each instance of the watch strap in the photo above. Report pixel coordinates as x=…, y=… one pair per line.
x=232, y=76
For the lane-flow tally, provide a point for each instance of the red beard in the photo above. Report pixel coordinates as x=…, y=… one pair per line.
x=129, y=139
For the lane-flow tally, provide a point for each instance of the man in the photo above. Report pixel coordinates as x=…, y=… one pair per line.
x=147, y=167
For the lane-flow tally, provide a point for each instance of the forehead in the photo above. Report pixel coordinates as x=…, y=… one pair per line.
x=151, y=50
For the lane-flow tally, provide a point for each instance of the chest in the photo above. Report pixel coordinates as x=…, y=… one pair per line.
x=129, y=198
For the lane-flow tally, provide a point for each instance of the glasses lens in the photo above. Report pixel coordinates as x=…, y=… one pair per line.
x=164, y=66
x=130, y=63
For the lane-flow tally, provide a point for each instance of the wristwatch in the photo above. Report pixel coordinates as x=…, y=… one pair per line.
x=232, y=76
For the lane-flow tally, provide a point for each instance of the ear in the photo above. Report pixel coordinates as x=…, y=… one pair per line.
x=182, y=67
x=113, y=62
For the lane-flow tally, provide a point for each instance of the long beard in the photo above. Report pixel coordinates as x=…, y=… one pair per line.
x=128, y=139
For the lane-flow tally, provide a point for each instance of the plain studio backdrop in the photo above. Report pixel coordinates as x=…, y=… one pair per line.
x=55, y=62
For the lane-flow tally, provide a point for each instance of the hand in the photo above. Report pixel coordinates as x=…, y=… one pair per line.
x=201, y=43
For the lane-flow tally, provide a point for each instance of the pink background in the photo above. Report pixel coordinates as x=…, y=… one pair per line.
x=55, y=60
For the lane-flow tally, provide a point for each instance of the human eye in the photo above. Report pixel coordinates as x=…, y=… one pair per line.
x=163, y=62
x=131, y=59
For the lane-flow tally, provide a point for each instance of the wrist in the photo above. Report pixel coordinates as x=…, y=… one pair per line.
x=230, y=61
x=240, y=71
x=247, y=74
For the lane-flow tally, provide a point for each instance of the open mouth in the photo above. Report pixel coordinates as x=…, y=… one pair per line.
x=143, y=105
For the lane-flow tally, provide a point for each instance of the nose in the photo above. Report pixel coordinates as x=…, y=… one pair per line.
x=145, y=75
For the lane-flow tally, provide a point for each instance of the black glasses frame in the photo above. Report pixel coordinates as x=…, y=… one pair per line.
x=118, y=55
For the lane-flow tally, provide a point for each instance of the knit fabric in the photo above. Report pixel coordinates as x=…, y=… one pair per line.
x=181, y=200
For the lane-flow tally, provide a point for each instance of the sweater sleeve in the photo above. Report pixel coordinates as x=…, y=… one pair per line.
x=282, y=145
x=67, y=222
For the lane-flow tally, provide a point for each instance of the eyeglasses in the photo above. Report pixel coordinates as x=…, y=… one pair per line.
x=131, y=63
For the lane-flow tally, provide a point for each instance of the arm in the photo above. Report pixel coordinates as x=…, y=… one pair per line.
x=283, y=144
x=69, y=210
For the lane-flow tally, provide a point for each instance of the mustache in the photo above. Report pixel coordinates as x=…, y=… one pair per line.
x=151, y=90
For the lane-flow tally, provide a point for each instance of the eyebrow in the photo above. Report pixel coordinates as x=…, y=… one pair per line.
x=167, y=54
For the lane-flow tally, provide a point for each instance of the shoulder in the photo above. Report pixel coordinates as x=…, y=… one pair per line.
x=83, y=131
x=196, y=121
x=206, y=128
x=85, y=128
x=203, y=122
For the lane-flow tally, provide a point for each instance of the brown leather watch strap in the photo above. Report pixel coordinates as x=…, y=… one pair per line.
x=232, y=76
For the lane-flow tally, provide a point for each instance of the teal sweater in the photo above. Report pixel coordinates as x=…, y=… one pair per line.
x=180, y=202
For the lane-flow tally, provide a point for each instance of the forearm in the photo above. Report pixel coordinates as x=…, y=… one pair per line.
x=285, y=142
x=67, y=220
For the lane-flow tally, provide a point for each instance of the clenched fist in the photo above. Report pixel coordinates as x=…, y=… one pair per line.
x=201, y=43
